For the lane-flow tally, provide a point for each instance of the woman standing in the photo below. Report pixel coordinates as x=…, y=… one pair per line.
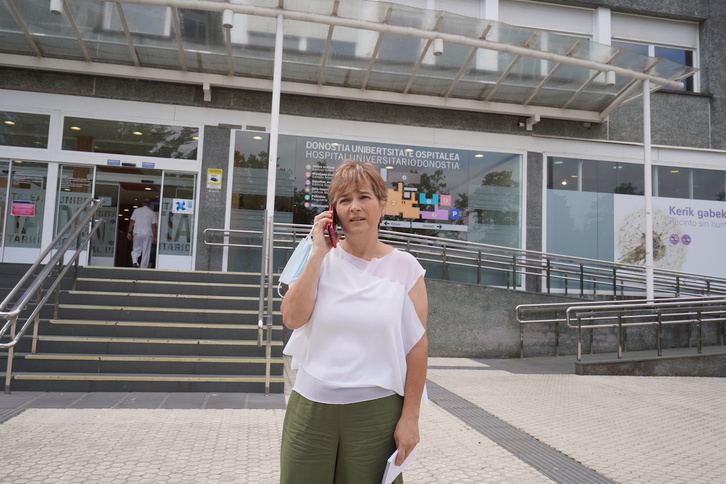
x=359, y=314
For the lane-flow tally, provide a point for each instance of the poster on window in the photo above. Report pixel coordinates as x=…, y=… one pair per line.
x=686, y=234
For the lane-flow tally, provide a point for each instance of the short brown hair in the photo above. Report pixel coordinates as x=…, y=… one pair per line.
x=351, y=175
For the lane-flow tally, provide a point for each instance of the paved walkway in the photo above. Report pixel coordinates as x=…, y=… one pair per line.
x=490, y=421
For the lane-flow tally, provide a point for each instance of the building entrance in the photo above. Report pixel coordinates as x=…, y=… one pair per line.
x=172, y=196
x=123, y=190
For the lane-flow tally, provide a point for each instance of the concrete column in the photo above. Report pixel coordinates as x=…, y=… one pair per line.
x=212, y=204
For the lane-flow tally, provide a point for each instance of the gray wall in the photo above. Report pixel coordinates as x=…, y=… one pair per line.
x=480, y=322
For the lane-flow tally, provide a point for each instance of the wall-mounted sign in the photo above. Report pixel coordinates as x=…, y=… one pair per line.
x=214, y=178
x=181, y=205
x=23, y=208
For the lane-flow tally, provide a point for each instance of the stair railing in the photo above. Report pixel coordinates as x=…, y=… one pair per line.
x=620, y=315
x=77, y=232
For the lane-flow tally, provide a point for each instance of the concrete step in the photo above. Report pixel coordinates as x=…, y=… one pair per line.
x=198, y=301
x=167, y=287
x=147, y=382
x=172, y=329
x=106, y=273
x=157, y=364
x=153, y=346
x=182, y=315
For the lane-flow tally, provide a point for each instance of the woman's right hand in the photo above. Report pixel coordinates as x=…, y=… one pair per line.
x=321, y=243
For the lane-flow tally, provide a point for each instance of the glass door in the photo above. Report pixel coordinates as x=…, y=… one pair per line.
x=176, y=223
x=24, y=210
x=74, y=189
x=103, y=248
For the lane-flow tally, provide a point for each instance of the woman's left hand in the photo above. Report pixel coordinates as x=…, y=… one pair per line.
x=406, y=436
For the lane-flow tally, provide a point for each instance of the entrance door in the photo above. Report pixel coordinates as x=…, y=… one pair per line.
x=123, y=189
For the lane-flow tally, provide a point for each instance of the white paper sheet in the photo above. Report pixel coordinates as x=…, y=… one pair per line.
x=392, y=470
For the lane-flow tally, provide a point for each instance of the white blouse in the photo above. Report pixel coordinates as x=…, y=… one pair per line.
x=362, y=327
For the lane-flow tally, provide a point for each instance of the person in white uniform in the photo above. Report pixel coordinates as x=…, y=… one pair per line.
x=142, y=230
x=358, y=311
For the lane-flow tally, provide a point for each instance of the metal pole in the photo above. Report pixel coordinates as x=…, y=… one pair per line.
x=648, y=188
x=271, y=182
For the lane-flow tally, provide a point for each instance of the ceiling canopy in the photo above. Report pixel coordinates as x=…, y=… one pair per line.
x=350, y=49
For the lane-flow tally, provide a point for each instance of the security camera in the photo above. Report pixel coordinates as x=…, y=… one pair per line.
x=227, y=18
x=610, y=78
x=56, y=7
x=438, y=46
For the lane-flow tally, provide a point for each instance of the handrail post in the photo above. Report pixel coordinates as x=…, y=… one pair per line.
x=478, y=268
x=521, y=340
x=620, y=336
x=263, y=264
x=699, y=329
x=678, y=286
x=445, y=271
x=36, y=324
x=270, y=302
x=615, y=282
x=582, y=280
x=514, y=272
x=579, y=338
x=549, y=274
x=11, y=355
x=659, y=333
x=557, y=338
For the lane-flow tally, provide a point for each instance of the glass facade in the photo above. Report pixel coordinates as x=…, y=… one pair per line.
x=458, y=194
x=130, y=138
x=595, y=210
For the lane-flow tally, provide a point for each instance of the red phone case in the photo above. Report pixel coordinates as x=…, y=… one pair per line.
x=331, y=229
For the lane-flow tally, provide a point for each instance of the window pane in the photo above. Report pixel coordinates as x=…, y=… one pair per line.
x=563, y=174
x=629, y=178
x=709, y=185
x=673, y=182
x=680, y=56
x=130, y=138
x=24, y=130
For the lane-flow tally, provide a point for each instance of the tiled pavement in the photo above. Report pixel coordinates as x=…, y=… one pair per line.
x=490, y=421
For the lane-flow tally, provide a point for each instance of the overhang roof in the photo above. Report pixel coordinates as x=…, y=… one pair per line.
x=350, y=49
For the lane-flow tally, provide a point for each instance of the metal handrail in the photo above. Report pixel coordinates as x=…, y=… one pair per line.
x=623, y=314
x=73, y=232
x=553, y=273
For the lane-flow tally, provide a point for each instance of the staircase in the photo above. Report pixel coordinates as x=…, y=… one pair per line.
x=142, y=330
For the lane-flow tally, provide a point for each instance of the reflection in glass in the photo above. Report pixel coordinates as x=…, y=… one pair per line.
x=673, y=182
x=24, y=129
x=709, y=185
x=562, y=173
x=130, y=138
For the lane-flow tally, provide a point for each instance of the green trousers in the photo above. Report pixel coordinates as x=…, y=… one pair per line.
x=338, y=444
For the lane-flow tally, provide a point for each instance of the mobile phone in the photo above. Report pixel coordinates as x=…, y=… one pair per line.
x=331, y=228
